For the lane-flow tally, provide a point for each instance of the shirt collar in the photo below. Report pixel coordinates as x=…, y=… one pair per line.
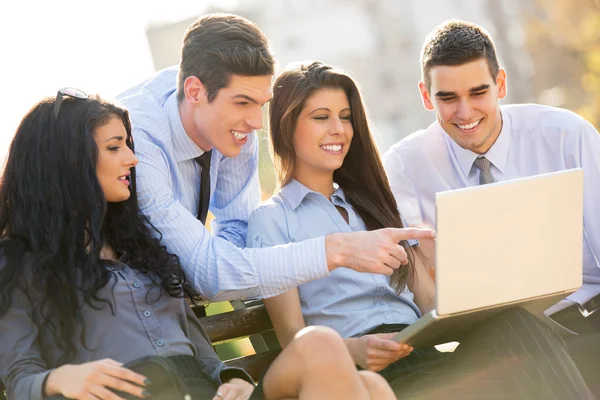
x=497, y=154
x=184, y=147
x=295, y=192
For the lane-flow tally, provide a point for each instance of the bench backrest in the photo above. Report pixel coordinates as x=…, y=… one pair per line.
x=238, y=324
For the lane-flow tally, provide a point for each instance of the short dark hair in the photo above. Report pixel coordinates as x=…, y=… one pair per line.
x=456, y=42
x=219, y=45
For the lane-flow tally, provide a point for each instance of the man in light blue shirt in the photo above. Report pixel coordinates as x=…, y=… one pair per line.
x=462, y=83
x=206, y=111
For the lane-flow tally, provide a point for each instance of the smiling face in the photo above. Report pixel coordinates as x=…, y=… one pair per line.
x=323, y=134
x=115, y=160
x=465, y=101
x=235, y=112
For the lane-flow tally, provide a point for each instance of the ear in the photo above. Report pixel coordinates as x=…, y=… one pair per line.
x=425, y=96
x=194, y=90
x=501, y=83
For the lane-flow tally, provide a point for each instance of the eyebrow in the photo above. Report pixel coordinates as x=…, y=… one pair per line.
x=114, y=137
x=472, y=90
x=250, y=99
x=327, y=109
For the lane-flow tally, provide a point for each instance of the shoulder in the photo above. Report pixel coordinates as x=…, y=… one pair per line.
x=417, y=144
x=547, y=120
x=269, y=213
x=145, y=103
x=268, y=224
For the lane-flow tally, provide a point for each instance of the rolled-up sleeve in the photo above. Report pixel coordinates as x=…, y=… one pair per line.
x=23, y=370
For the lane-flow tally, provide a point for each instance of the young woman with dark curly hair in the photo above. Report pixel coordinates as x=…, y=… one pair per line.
x=87, y=287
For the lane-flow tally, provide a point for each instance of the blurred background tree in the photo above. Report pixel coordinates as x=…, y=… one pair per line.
x=563, y=38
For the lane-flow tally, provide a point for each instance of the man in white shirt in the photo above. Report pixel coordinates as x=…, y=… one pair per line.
x=194, y=130
x=476, y=141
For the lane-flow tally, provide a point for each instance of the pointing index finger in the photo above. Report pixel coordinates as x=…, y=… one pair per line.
x=412, y=233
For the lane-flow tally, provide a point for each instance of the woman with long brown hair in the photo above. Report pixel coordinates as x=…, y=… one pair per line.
x=331, y=180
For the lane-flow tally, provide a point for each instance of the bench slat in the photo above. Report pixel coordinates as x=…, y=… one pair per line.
x=237, y=323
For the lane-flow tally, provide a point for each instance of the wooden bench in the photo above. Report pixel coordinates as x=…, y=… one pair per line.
x=245, y=321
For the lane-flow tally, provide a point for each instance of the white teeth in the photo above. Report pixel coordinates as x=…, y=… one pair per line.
x=332, y=147
x=122, y=178
x=239, y=135
x=469, y=126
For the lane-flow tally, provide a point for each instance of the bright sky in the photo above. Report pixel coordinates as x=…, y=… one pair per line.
x=97, y=46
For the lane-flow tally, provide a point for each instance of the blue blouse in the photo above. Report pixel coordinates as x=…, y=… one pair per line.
x=348, y=301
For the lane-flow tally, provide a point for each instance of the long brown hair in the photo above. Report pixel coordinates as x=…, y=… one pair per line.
x=361, y=176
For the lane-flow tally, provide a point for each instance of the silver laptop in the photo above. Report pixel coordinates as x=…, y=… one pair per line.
x=501, y=245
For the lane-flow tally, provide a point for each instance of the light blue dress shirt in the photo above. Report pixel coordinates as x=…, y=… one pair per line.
x=168, y=189
x=348, y=301
x=534, y=140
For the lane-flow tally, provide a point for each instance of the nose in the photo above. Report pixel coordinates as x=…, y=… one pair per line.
x=131, y=159
x=337, y=126
x=255, y=119
x=464, y=111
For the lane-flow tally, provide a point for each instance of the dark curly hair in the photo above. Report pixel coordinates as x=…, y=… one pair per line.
x=54, y=220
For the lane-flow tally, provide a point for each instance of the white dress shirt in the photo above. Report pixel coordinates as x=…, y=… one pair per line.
x=534, y=140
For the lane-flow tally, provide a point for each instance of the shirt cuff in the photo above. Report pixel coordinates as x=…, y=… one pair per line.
x=36, y=385
x=228, y=373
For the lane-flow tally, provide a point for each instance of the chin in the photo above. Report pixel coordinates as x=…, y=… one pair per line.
x=118, y=198
x=231, y=152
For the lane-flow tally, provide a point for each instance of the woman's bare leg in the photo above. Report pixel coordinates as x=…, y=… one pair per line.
x=316, y=365
x=377, y=386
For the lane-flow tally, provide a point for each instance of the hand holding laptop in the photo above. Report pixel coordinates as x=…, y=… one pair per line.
x=376, y=351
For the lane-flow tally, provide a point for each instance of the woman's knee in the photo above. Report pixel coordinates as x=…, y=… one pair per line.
x=321, y=341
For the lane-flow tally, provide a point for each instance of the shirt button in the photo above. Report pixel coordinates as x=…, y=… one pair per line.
x=256, y=237
x=136, y=284
x=380, y=303
x=147, y=313
x=160, y=342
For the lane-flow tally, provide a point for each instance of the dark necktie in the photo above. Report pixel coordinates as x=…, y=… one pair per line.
x=485, y=173
x=204, y=162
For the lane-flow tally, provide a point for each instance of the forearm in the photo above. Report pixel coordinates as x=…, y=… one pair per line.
x=231, y=273
x=286, y=335
x=51, y=386
x=285, y=312
x=422, y=285
x=337, y=252
x=351, y=344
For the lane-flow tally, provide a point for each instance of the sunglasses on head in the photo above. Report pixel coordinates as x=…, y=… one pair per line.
x=67, y=91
